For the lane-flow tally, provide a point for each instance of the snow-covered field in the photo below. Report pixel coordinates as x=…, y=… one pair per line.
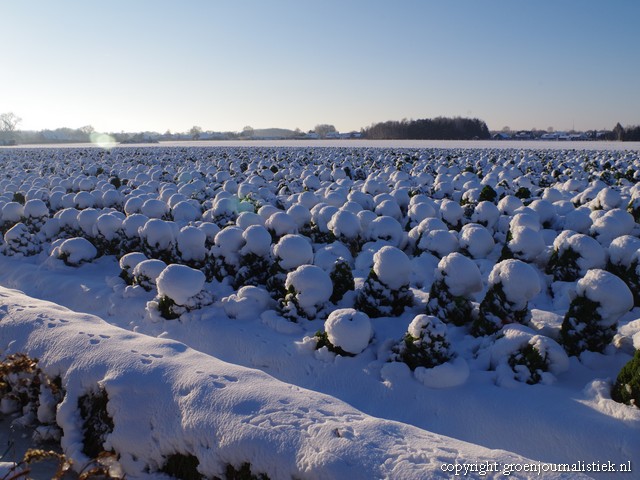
x=327, y=312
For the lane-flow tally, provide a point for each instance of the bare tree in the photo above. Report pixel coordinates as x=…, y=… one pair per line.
x=195, y=132
x=8, y=123
x=247, y=132
x=323, y=129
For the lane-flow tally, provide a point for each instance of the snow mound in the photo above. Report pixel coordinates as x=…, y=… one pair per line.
x=349, y=329
x=609, y=291
x=460, y=273
x=293, y=250
x=312, y=285
x=392, y=266
x=180, y=283
x=75, y=251
x=519, y=281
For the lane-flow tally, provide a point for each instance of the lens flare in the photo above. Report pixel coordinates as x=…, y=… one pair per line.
x=103, y=140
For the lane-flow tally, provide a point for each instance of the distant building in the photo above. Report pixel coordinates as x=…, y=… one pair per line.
x=501, y=136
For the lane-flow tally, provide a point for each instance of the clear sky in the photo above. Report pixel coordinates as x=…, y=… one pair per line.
x=139, y=65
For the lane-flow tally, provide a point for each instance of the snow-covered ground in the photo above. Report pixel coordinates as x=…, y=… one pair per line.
x=251, y=237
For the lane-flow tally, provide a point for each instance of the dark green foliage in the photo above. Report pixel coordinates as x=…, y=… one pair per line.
x=243, y=473
x=166, y=306
x=488, y=194
x=342, y=279
x=318, y=236
x=440, y=128
x=416, y=352
x=582, y=330
x=564, y=266
x=627, y=386
x=377, y=300
x=182, y=466
x=634, y=209
x=96, y=422
x=275, y=282
x=530, y=358
x=254, y=270
x=116, y=182
x=322, y=340
x=523, y=193
x=19, y=197
x=447, y=307
x=496, y=312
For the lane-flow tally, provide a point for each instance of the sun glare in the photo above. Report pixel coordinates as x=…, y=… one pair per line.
x=103, y=140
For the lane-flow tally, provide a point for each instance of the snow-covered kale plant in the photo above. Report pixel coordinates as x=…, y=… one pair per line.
x=512, y=283
x=347, y=332
x=386, y=290
x=158, y=239
x=308, y=290
x=291, y=252
x=107, y=234
x=573, y=255
x=457, y=278
x=627, y=386
x=256, y=262
x=191, y=247
x=20, y=242
x=127, y=263
x=342, y=279
x=519, y=354
x=146, y=273
x=180, y=290
x=624, y=261
x=590, y=324
x=346, y=227
x=224, y=256
x=523, y=243
x=35, y=214
x=75, y=251
x=424, y=345
x=634, y=207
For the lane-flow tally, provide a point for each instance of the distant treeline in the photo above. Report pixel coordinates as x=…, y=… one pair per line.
x=439, y=128
x=629, y=134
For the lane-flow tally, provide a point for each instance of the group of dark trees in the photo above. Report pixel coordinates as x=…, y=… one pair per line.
x=629, y=134
x=439, y=128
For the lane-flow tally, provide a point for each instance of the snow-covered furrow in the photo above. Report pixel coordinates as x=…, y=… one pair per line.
x=166, y=398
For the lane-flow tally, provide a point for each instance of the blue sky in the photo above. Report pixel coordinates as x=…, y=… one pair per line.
x=222, y=65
